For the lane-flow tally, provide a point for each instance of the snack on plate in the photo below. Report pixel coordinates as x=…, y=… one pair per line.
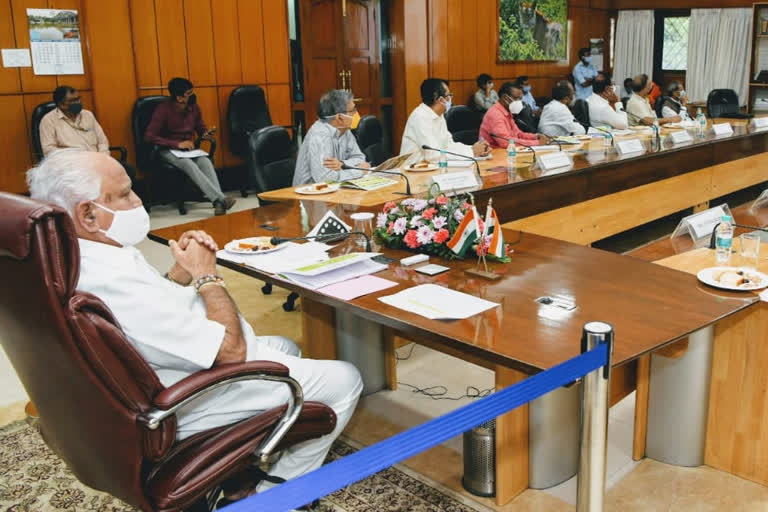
x=735, y=278
x=321, y=186
x=262, y=243
x=421, y=165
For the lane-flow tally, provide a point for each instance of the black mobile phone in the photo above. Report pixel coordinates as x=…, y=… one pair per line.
x=382, y=259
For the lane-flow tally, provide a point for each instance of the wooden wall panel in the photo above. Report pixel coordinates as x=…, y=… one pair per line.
x=208, y=99
x=16, y=159
x=200, y=50
x=678, y=4
x=226, y=40
x=9, y=77
x=110, y=41
x=171, y=39
x=251, y=25
x=144, y=30
x=276, y=42
x=225, y=157
x=29, y=81
x=279, y=98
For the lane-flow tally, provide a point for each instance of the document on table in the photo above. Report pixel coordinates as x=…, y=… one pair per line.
x=354, y=288
x=437, y=302
x=193, y=153
x=293, y=255
x=334, y=270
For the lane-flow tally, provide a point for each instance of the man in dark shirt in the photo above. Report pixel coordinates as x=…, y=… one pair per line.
x=173, y=126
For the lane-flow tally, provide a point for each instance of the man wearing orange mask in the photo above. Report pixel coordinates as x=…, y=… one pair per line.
x=329, y=143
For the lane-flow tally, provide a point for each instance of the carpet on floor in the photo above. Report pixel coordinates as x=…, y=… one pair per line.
x=33, y=478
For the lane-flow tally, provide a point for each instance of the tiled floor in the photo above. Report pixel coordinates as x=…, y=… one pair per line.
x=644, y=486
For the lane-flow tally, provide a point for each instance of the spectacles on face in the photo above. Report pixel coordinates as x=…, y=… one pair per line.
x=448, y=96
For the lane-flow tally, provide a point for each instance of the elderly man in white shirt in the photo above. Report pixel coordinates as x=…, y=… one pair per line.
x=186, y=321
x=605, y=108
x=556, y=118
x=639, y=110
x=426, y=125
x=329, y=144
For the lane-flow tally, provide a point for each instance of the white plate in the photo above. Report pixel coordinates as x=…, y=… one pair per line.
x=706, y=276
x=311, y=190
x=234, y=249
x=429, y=168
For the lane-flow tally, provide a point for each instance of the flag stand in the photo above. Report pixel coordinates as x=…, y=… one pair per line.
x=482, y=273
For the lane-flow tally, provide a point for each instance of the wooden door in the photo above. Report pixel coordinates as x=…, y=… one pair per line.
x=322, y=44
x=361, y=62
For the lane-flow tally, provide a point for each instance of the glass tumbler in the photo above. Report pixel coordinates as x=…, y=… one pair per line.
x=363, y=224
x=749, y=249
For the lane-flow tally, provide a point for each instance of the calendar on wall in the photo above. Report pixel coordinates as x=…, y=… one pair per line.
x=54, y=38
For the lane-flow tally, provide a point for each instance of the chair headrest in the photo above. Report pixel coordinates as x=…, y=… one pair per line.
x=18, y=216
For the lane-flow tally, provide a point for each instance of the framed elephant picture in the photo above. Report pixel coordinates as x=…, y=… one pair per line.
x=533, y=30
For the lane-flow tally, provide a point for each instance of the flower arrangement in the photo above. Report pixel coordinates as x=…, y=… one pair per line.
x=426, y=225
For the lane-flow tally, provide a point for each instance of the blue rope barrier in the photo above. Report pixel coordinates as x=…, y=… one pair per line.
x=368, y=461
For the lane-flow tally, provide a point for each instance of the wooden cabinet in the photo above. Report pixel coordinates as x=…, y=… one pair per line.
x=757, y=95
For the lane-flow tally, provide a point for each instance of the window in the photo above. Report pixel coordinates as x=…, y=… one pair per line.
x=675, y=44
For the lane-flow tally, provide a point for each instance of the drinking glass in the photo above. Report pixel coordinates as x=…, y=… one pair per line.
x=750, y=249
x=363, y=224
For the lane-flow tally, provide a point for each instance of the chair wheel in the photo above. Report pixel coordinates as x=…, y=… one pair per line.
x=266, y=289
x=182, y=210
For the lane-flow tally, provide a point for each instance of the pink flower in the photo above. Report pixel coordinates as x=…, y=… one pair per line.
x=390, y=228
x=441, y=200
x=425, y=235
x=466, y=206
x=410, y=239
x=428, y=213
x=441, y=236
x=388, y=206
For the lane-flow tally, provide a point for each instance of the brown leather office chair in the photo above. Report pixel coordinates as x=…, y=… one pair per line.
x=102, y=408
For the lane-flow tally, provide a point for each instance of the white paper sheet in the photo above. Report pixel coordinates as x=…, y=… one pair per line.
x=194, y=153
x=16, y=58
x=292, y=256
x=437, y=302
x=335, y=270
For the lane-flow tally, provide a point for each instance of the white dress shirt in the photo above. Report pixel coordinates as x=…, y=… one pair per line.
x=638, y=108
x=601, y=115
x=670, y=112
x=424, y=127
x=557, y=119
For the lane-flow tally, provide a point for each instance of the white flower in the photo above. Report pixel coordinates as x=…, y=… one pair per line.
x=416, y=221
x=425, y=235
x=400, y=225
x=419, y=204
x=458, y=215
x=381, y=220
x=439, y=222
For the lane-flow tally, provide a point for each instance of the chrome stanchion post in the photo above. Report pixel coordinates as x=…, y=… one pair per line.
x=594, y=422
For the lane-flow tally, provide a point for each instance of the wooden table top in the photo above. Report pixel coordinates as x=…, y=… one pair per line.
x=596, y=171
x=649, y=305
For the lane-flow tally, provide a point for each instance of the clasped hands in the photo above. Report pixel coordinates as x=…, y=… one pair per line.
x=195, y=256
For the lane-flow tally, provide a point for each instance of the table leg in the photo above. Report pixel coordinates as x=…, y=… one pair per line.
x=641, y=406
x=390, y=358
x=319, y=329
x=511, y=443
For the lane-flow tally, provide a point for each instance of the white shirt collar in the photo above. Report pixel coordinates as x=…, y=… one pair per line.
x=599, y=99
x=426, y=111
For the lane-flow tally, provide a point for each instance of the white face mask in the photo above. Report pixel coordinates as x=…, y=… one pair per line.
x=516, y=107
x=129, y=227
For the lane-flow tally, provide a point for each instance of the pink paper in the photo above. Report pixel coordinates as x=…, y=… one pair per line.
x=357, y=287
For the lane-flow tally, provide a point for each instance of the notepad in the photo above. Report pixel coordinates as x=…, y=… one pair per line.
x=334, y=270
x=194, y=153
x=438, y=303
x=357, y=287
x=368, y=183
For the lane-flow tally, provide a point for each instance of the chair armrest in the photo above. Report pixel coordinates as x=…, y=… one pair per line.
x=212, y=142
x=122, y=150
x=200, y=381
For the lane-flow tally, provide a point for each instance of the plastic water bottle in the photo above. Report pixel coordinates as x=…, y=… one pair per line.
x=724, y=239
x=443, y=163
x=511, y=157
x=702, y=122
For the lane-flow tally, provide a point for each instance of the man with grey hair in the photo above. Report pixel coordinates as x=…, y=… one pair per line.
x=329, y=144
x=185, y=321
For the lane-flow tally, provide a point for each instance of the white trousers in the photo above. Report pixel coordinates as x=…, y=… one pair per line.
x=337, y=384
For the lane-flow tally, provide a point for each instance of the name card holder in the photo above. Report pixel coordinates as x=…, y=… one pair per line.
x=700, y=225
x=554, y=160
x=680, y=137
x=628, y=147
x=760, y=202
x=722, y=129
x=759, y=123
x=451, y=181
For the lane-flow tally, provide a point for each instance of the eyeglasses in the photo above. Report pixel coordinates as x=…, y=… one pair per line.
x=449, y=95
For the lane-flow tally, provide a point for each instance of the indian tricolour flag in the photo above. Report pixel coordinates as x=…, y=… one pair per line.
x=497, y=239
x=465, y=235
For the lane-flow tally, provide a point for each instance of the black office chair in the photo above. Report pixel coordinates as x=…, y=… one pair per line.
x=464, y=124
x=581, y=113
x=247, y=111
x=659, y=105
x=156, y=171
x=37, y=147
x=271, y=165
x=370, y=138
x=526, y=121
x=724, y=103
x=624, y=102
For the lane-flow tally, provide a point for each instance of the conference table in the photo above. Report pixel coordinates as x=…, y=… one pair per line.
x=602, y=193
x=650, y=307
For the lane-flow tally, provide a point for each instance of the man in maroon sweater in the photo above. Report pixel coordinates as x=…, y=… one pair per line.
x=173, y=126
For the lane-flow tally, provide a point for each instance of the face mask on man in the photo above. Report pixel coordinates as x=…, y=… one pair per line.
x=75, y=108
x=516, y=107
x=129, y=227
x=355, y=120
x=526, y=89
x=587, y=59
x=448, y=103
